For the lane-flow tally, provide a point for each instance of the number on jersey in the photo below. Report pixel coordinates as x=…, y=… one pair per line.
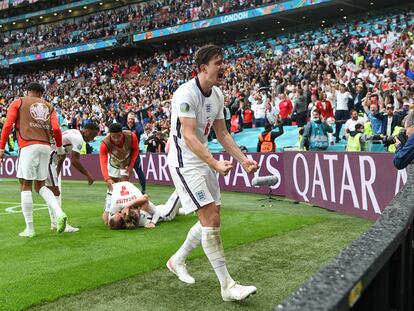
x=124, y=192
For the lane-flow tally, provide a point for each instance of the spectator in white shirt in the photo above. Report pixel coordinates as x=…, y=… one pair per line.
x=342, y=112
x=355, y=119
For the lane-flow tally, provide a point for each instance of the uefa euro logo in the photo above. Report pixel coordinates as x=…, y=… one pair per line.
x=39, y=112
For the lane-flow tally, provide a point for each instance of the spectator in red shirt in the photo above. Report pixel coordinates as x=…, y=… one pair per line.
x=324, y=106
x=285, y=109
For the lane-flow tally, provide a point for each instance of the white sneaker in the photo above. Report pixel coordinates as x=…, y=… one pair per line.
x=27, y=234
x=68, y=229
x=180, y=270
x=237, y=292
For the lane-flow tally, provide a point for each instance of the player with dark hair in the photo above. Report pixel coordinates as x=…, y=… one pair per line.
x=72, y=141
x=37, y=125
x=117, y=153
x=198, y=105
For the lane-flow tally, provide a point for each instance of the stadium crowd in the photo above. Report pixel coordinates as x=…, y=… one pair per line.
x=369, y=73
x=137, y=17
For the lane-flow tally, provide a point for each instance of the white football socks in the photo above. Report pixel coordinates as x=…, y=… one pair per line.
x=27, y=209
x=52, y=216
x=51, y=201
x=191, y=242
x=211, y=243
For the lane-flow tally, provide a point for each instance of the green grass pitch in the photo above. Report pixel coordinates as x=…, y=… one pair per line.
x=275, y=248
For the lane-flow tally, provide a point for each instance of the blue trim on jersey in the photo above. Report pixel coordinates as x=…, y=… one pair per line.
x=50, y=168
x=179, y=152
x=178, y=128
x=173, y=207
x=188, y=188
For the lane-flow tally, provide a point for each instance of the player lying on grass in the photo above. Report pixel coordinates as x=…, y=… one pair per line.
x=117, y=155
x=131, y=209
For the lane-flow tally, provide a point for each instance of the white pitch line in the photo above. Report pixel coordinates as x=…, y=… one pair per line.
x=18, y=203
x=10, y=209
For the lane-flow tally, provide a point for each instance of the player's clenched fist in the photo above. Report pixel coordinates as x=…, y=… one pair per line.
x=250, y=166
x=223, y=167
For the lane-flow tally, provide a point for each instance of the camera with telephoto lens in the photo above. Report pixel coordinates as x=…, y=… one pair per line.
x=402, y=136
x=390, y=140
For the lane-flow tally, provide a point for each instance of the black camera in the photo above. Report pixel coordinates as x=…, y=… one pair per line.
x=402, y=136
x=388, y=140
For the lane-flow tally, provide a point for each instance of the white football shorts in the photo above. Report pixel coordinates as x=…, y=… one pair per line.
x=33, y=162
x=196, y=187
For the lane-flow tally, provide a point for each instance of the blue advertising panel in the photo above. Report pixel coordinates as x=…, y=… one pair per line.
x=225, y=19
x=63, y=51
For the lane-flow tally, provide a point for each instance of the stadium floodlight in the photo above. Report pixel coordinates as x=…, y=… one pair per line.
x=41, y=17
x=323, y=22
x=344, y=17
x=278, y=22
x=1, y=26
x=85, y=7
x=55, y=14
x=283, y=29
x=14, y=23
x=70, y=11
x=100, y=3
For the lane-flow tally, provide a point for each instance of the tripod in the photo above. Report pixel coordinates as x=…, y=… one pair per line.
x=269, y=198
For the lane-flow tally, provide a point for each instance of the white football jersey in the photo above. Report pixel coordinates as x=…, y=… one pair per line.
x=72, y=140
x=123, y=193
x=189, y=101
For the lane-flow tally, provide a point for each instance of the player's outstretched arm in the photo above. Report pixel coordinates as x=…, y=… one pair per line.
x=75, y=157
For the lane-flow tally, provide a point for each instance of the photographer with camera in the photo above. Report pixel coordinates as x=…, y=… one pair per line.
x=156, y=142
x=404, y=144
x=389, y=141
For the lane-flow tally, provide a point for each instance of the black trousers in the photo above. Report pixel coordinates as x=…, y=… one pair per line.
x=301, y=118
x=140, y=173
x=341, y=116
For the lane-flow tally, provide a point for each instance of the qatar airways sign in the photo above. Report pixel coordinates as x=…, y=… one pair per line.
x=156, y=171
x=360, y=184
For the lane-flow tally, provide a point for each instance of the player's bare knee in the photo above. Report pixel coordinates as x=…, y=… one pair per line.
x=209, y=215
x=55, y=190
x=38, y=185
x=25, y=185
